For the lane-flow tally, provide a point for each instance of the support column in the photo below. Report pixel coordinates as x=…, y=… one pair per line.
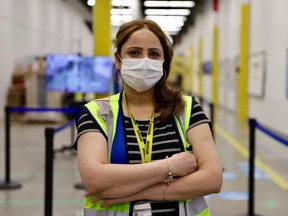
x=215, y=58
x=102, y=28
x=191, y=68
x=242, y=77
x=215, y=66
x=200, y=67
x=102, y=31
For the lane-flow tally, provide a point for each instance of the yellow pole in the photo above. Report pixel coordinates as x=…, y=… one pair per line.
x=102, y=28
x=215, y=66
x=191, y=67
x=200, y=67
x=242, y=78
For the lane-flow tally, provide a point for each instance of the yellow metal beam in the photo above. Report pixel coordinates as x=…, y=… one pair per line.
x=191, y=67
x=244, y=49
x=215, y=66
x=102, y=28
x=200, y=67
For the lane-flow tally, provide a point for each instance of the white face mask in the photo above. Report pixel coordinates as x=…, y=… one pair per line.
x=141, y=74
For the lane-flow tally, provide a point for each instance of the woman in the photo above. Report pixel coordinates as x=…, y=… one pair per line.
x=147, y=150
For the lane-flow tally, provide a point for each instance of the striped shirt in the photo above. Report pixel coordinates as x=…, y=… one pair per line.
x=166, y=142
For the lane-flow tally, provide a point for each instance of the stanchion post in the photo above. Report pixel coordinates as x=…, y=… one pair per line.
x=212, y=117
x=251, y=166
x=49, y=136
x=72, y=134
x=72, y=137
x=7, y=144
x=7, y=183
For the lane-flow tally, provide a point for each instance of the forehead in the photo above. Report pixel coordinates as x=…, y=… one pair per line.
x=143, y=38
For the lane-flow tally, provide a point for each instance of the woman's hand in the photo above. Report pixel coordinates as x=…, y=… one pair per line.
x=182, y=164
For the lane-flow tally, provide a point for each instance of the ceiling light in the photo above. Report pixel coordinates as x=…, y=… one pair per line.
x=116, y=23
x=156, y=3
x=188, y=4
x=172, y=32
x=91, y=2
x=167, y=18
x=115, y=11
x=122, y=18
x=118, y=20
x=121, y=3
x=171, y=23
x=184, y=12
x=170, y=28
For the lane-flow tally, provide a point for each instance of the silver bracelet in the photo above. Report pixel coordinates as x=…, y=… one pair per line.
x=169, y=177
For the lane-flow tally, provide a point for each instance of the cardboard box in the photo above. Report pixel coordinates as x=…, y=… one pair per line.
x=16, y=96
x=18, y=76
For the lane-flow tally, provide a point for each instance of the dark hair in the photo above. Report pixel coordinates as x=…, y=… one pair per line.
x=168, y=100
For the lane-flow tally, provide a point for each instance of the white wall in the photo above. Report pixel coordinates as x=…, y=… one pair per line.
x=268, y=33
x=37, y=27
x=229, y=28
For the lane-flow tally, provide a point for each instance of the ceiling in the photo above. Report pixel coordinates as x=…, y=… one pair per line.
x=176, y=38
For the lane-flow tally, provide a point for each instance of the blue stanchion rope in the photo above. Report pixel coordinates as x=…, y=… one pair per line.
x=67, y=124
x=45, y=109
x=271, y=134
x=42, y=109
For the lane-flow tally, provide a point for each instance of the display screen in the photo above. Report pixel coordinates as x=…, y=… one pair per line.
x=75, y=73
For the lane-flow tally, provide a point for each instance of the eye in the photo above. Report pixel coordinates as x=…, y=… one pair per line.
x=155, y=54
x=134, y=53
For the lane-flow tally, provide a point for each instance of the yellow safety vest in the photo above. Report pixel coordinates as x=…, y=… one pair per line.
x=107, y=114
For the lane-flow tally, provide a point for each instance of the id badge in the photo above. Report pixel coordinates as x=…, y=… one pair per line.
x=142, y=209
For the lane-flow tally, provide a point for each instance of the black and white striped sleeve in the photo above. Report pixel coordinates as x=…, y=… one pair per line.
x=198, y=116
x=85, y=124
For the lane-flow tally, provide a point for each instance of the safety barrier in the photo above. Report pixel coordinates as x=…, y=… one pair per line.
x=8, y=183
x=253, y=125
x=49, y=150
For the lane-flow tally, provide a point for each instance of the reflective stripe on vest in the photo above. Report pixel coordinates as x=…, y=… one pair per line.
x=106, y=113
x=183, y=122
x=94, y=209
x=194, y=207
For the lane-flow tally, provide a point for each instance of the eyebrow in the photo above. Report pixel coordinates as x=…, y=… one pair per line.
x=139, y=48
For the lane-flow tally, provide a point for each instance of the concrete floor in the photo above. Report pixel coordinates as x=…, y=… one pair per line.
x=28, y=168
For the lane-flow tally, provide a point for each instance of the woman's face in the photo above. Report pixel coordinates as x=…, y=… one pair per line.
x=142, y=44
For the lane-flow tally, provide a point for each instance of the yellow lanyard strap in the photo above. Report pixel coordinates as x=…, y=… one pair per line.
x=145, y=148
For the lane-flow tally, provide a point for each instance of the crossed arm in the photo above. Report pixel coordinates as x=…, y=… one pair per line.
x=123, y=183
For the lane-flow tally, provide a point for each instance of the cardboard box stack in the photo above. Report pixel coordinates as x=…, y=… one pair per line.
x=16, y=92
x=37, y=95
x=28, y=89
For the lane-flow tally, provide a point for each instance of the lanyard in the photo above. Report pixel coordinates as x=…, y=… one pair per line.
x=145, y=148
